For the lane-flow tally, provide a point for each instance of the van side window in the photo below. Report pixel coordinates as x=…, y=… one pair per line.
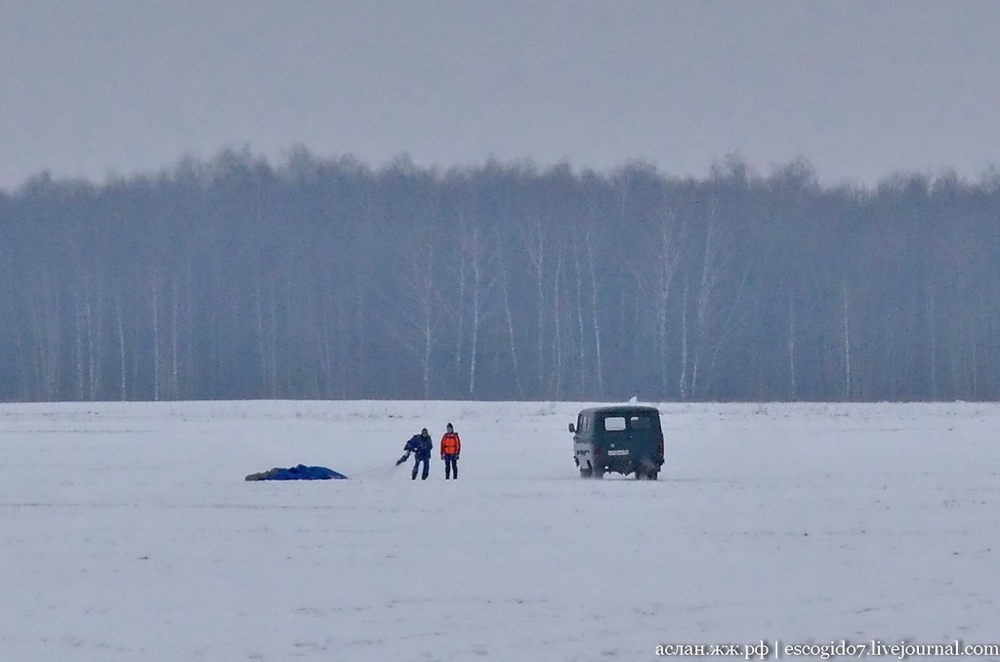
x=614, y=423
x=640, y=423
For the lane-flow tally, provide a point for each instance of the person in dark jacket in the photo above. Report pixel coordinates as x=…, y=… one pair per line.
x=421, y=446
x=451, y=446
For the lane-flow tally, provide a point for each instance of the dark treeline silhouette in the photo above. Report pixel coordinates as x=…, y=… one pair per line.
x=330, y=279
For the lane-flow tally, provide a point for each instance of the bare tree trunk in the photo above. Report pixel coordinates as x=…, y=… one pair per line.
x=707, y=282
x=156, y=341
x=582, y=383
x=791, y=348
x=46, y=326
x=535, y=245
x=80, y=323
x=669, y=264
x=421, y=317
x=847, y=341
x=123, y=394
x=932, y=326
x=594, y=318
x=94, y=337
x=266, y=308
x=974, y=368
x=713, y=316
x=683, y=378
x=460, y=313
x=557, y=335
x=261, y=343
x=510, y=330
x=476, y=280
x=428, y=348
x=174, y=368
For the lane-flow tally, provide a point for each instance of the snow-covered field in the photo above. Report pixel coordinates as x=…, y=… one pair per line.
x=128, y=532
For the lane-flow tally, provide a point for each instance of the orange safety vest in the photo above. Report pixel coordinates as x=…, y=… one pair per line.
x=451, y=444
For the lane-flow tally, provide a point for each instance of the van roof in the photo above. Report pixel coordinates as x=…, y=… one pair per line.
x=620, y=410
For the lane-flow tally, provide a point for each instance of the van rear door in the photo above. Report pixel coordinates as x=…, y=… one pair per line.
x=643, y=437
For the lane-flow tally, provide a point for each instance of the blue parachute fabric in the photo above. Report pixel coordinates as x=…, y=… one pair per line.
x=298, y=472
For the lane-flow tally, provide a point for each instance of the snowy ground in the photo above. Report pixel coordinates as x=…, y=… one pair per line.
x=129, y=533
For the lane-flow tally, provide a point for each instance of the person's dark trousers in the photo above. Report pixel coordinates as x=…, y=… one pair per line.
x=450, y=466
x=416, y=465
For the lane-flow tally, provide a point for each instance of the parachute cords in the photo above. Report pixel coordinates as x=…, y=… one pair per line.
x=381, y=472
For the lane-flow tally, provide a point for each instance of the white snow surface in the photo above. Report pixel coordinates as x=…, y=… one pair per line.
x=129, y=532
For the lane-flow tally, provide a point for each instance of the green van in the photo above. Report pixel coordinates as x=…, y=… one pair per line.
x=626, y=439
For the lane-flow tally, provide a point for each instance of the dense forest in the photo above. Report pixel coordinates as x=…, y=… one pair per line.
x=314, y=278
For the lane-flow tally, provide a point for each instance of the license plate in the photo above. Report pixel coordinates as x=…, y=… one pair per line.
x=623, y=451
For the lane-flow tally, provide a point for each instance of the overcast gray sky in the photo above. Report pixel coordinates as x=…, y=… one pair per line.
x=861, y=88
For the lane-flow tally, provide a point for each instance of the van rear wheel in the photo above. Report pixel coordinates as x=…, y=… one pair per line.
x=586, y=473
x=646, y=469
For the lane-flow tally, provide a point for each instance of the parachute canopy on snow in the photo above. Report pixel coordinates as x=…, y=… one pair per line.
x=298, y=472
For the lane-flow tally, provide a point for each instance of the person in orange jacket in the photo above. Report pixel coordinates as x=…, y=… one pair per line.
x=451, y=446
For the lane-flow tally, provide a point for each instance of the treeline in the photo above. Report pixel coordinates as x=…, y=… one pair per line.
x=331, y=279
